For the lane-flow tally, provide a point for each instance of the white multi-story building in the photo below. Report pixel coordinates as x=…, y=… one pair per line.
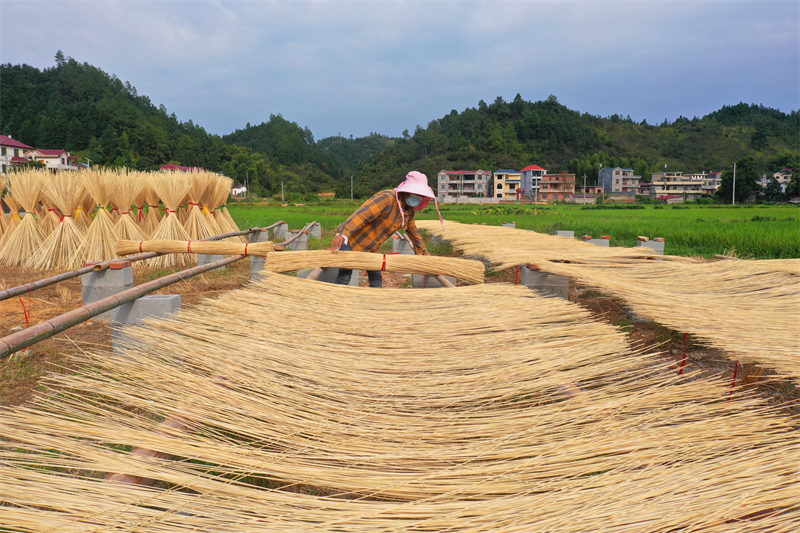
x=675, y=186
x=458, y=185
x=53, y=159
x=531, y=181
x=11, y=153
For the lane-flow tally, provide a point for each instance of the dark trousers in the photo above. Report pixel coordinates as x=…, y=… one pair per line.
x=375, y=276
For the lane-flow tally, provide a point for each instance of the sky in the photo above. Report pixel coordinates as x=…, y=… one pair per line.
x=353, y=68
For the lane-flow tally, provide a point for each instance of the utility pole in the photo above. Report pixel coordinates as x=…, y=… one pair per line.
x=584, y=188
x=351, y=187
x=282, y=202
x=733, y=189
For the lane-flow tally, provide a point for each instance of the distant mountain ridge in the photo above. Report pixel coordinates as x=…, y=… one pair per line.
x=96, y=116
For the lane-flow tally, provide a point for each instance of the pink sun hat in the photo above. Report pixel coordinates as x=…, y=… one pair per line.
x=417, y=183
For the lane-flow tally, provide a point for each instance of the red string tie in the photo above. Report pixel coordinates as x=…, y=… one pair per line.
x=140, y=246
x=383, y=266
x=245, y=248
x=168, y=211
x=63, y=217
x=189, y=246
x=125, y=213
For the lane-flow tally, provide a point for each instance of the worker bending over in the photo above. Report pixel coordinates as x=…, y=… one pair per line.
x=382, y=215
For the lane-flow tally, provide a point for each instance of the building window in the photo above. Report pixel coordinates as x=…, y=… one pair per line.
x=499, y=186
x=3, y=150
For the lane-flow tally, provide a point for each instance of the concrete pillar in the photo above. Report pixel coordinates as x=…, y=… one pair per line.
x=509, y=224
x=315, y=231
x=657, y=245
x=329, y=275
x=429, y=281
x=280, y=232
x=545, y=283
x=565, y=233
x=103, y=283
x=300, y=243
x=256, y=262
x=204, y=259
x=135, y=312
x=401, y=246
x=605, y=240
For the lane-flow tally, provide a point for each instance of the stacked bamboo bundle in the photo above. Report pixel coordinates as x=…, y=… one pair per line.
x=195, y=247
x=27, y=237
x=100, y=239
x=462, y=269
x=171, y=188
x=747, y=308
x=195, y=224
x=485, y=408
x=65, y=191
x=60, y=212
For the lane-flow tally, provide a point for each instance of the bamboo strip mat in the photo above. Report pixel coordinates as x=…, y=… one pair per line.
x=394, y=410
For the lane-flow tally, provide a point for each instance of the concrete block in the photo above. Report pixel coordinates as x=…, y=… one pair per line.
x=315, y=231
x=280, y=232
x=104, y=283
x=436, y=239
x=329, y=275
x=257, y=263
x=204, y=259
x=300, y=243
x=402, y=246
x=421, y=281
x=656, y=246
x=135, y=312
x=565, y=233
x=509, y=224
x=601, y=242
x=546, y=284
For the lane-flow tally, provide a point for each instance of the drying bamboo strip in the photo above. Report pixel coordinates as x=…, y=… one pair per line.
x=124, y=247
x=462, y=269
x=12, y=221
x=27, y=237
x=100, y=239
x=747, y=308
x=124, y=187
x=65, y=191
x=171, y=188
x=395, y=411
x=151, y=200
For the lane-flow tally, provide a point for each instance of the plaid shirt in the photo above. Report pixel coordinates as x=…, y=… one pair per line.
x=376, y=220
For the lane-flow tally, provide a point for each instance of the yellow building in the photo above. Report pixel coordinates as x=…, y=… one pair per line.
x=506, y=183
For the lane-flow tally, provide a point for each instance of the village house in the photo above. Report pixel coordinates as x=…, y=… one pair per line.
x=674, y=187
x=469, y=186
x=618, y=180
x=238, y=191
x=557, y=187
x=531, y=181
x=53, y=159
x=11, y=153
x=506, y=184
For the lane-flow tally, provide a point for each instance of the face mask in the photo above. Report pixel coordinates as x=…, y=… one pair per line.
x=412, y=200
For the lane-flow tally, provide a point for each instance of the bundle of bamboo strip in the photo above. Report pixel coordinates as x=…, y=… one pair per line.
x=100, y=239
x=12, y=220
x=209, y=202
x=27, y=237
x=171, y=187
x=64, y=190
x=222, y=190
x=140, y=201
x=194, y=247
x=84, y=210
x=462, y=269
x=196, y=225
x=48, y=217
x=124, y=187
x=151, y=200
x=3, y=222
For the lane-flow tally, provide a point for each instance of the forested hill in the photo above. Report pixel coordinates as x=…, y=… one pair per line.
x=96, y=116
x=518, y=133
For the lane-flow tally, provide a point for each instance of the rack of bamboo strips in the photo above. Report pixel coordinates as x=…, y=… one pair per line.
x=404, y=426
x=4, y=220
x=27, y=237
x=195, y=224
x=723, y=302
x=466, y=270
x=124, y=187
x=124, y=247
x=151, y=200
x=12, y=220
x=100, y=239
x=171, y=187
x=63, y=190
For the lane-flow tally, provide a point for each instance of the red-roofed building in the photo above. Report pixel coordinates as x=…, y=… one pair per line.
x=53, y=159
x=11, y=153
x=531, y=181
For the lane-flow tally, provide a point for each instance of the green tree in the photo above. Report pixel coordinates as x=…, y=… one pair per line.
x=747, y=182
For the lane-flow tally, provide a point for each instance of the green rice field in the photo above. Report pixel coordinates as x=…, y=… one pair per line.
x=750, y=231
